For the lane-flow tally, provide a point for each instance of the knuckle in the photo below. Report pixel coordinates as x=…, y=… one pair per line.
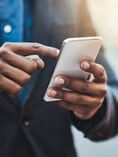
x=33, y=66
x=16, y=90
x=25, y=79
x=102, y=71
x=36, y=47
x=101, y=67
x=4, y=52
x=103, y=92
x=99, y=70
x=7, y=45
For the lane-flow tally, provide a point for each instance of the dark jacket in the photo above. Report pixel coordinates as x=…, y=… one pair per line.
x=40, y=129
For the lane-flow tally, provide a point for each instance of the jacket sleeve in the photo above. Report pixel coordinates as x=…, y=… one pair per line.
x=104, y=124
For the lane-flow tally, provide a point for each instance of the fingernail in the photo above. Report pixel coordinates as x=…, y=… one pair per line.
x=85, y=65
x=59, y=81
x=52, y=93
x=58, y=51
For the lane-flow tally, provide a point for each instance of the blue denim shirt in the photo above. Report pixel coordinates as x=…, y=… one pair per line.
x=15, y=26
x=16, y=15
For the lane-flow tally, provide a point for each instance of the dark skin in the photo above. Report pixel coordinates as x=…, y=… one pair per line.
x=16, y=69
x=85, y=98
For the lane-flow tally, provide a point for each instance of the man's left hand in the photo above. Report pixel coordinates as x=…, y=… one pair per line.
x=84, y=98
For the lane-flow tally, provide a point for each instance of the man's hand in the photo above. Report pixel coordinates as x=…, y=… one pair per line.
x=16, y=68
x=85, y=98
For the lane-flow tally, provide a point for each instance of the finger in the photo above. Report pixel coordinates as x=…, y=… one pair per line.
x=86, y=115
x=81, y=86
x=14, y=74
x=81, y=112
x=9, y=86
x=37, y=59
x=67, y=105
x=20, y=62
x=75, y=98
x=97, y=70
x=73, y=107
x=25, y=49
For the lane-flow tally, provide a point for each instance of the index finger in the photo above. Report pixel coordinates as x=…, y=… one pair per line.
x=25, y=49
x=97, y=70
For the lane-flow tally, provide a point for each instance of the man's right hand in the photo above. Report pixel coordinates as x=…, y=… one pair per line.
x=16, y=69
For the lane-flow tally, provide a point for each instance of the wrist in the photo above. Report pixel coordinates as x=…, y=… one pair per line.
x=87, y=124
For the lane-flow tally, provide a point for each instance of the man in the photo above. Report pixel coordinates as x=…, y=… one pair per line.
x=28, y=125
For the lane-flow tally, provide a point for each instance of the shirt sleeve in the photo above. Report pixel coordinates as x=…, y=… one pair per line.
x=104, y=124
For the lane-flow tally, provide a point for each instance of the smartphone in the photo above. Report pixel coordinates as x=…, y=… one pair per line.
x=72, y=52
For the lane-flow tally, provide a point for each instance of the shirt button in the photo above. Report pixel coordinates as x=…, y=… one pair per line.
x=7, y=29
x=26, y=123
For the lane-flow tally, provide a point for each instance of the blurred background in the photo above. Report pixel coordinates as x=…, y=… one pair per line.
x=104, y=16
x=86, y=148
